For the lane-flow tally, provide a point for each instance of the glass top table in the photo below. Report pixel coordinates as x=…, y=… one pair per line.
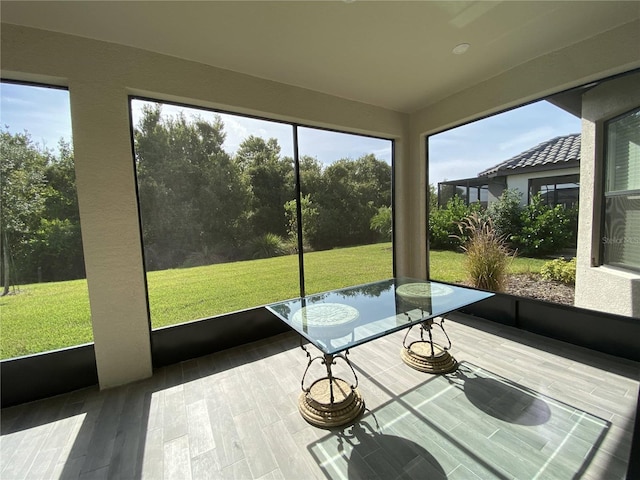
x=341, y=319
x=338, y=320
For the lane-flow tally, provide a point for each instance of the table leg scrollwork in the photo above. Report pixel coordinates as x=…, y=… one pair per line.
x=330, y=401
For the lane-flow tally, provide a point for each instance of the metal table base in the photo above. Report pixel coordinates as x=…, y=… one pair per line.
x=425, y=355
x=419, y=355
x=330, y=401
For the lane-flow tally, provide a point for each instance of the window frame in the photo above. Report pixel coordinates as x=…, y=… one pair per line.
x=296, y=167
x=611, y=194
x=552, y=181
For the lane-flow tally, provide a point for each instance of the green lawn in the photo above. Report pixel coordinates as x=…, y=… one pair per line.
x=47, y=316
x=449, y=266
x=178, y=296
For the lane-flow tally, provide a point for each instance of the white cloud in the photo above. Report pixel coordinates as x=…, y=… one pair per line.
x=328, y=146
x=526, y=140
x=9, y=101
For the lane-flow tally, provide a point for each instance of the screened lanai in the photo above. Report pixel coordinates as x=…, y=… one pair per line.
x=398, y=72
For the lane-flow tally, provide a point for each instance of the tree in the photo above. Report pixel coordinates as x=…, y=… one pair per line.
x=351, y=194
x=310, y=175
x=433, y=196
x=382, y=223
x=57, y=246
x=309, y=220
x=270, y=179
x=23, y=190
x=193, y=199
x=40, y=219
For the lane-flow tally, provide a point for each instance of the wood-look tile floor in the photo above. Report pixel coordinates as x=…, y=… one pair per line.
x=519, y=406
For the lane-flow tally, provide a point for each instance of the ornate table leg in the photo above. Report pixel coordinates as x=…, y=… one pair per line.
x=330, y=401
x=426, y=355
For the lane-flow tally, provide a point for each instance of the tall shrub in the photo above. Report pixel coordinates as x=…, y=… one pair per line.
x=505, y=213
x=382, y=223
x=267, y=246
x=544, y=229
x=443, y=223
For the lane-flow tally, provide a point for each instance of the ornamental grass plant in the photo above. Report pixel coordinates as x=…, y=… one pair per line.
x=487, y=256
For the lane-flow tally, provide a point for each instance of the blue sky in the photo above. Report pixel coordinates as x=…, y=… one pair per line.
x=465, y=151
x=43, y=112
x=458, y=153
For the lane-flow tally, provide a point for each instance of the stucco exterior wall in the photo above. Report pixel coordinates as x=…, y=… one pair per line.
x=599, y=287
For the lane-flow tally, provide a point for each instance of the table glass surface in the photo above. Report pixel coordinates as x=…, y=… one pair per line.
x=340, y=319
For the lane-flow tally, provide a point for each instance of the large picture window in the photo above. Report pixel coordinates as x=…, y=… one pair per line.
x=218, y=197
x=621, y=242
x=522, y=200
x=561, y=190
x=45, y=300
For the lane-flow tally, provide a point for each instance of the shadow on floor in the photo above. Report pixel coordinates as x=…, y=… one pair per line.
x=467, y=424
x=105, y=433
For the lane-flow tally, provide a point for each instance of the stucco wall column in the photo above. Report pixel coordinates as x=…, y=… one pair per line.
x=410, y=211
x=110, y=232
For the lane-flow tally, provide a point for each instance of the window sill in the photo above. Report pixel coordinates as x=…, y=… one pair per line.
x=621, y=272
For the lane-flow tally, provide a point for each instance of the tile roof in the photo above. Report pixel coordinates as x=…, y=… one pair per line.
x=550, y=154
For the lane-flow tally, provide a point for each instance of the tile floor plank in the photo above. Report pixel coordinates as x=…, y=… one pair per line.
x=177, y=464
x=200, y=434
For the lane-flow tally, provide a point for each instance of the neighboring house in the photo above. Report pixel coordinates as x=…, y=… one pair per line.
x=551, y=168
x=604, y=159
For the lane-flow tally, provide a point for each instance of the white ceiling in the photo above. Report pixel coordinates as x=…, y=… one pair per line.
x=392, y=54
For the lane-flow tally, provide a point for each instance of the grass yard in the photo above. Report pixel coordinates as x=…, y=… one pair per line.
x=47, y=316
x=178, y=296
x=44, y=316
x=448, y=266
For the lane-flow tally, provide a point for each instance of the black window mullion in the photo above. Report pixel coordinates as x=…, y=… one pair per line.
x=296, y=167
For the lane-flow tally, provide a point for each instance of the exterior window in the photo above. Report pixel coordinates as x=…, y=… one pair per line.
x=563, y=190
x=469, y=191
x=219, y=211
x=621, y=241
x=45, y=300
x=346, y=209
x=212, y=190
